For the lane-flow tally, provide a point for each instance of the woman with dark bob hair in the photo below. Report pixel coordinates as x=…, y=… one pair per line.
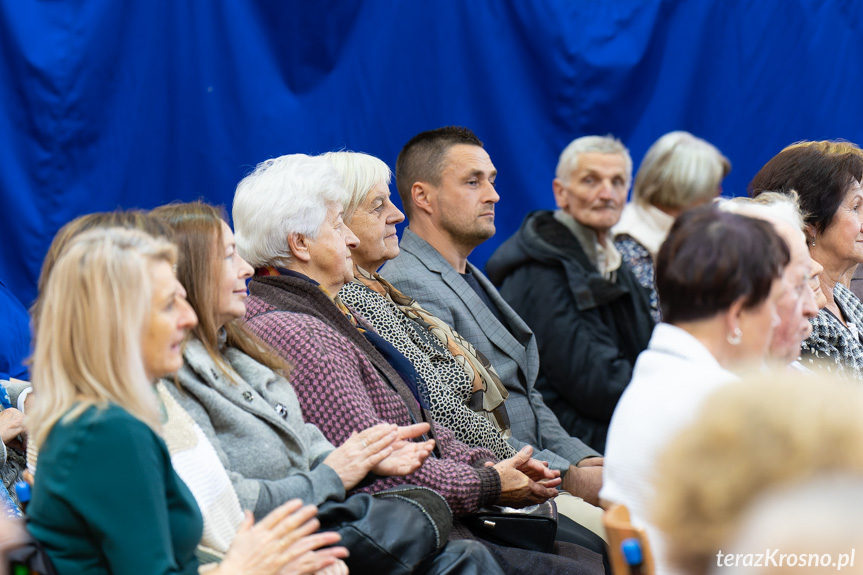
x=827, y=176
x=718, y=276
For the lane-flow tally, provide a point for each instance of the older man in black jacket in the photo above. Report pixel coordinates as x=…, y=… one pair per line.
x=563, y=275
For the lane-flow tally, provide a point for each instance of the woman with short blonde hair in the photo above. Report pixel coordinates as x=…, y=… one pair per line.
x=679, y=171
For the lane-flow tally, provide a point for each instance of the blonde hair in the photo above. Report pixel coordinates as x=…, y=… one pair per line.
x=92, y=316
x=680, y=170
x=750, y=436
x=131, y=219
x=360, y=173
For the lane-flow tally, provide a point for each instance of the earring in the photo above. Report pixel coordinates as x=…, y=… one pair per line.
x=813, y=242
x=735, y=337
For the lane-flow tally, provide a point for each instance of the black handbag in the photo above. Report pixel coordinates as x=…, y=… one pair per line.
x=394, y=531
x=533, y=528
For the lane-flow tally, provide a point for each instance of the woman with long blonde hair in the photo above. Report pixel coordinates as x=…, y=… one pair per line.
x=106, y=499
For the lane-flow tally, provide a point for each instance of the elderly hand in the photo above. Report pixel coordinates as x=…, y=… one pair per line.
x=407, y=456
x=584, y=481
x=519, y=490
x=282, y=543
x=361, y=452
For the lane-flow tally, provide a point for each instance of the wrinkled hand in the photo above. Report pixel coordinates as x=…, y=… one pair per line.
x=11, y=424
x=282, y=543
x=538, y=470
x=361, y=452
x=519, y=490
x=584, y=482
x=407, y=456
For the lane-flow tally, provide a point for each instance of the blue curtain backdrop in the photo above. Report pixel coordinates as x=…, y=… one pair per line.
x=107, y=104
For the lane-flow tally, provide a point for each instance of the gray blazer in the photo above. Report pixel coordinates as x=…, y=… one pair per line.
x=257, y=428
x=421, y=272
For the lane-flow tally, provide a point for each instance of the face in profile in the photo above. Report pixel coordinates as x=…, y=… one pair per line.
x=374, y=223
x=796, y=304
x=232, y=284
x=331, y=264
x=465, y=199
x=758, y=325
x=170, y=319
x=842, y=240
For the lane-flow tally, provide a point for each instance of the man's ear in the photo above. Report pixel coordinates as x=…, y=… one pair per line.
x=299, y=246
x=559, y=193
x=421, y=194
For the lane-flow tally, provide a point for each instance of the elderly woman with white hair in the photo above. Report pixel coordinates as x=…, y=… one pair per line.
x=798, y=302
x=288, y=215
x=465, y=393
x=679, y=171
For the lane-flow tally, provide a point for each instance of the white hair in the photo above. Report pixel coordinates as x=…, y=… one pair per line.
x=283, y=196
x=680, y=170
x=568, y=161
x=360, y=173
x=768, y=206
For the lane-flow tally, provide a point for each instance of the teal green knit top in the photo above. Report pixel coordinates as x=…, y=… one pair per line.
x=107, y=500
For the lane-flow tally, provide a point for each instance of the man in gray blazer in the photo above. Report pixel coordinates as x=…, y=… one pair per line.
x=446, y=182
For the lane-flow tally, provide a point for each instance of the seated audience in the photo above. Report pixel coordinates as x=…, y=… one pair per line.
x=827, y=176
x=562, y=273
x=797, y=304
x=719, y=276
x=288, y=217
x=237, y=392
x=106, y=498
x=465, y=392
x=749, y=438
x=678, y=172
x=190, y=450
x=445, y=179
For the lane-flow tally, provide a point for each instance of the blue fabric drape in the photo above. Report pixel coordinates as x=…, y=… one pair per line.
x=107, y=104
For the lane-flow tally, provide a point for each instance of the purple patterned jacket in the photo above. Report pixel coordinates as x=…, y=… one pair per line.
x=345, y=385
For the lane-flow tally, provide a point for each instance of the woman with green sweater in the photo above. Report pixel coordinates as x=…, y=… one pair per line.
x=106, y=499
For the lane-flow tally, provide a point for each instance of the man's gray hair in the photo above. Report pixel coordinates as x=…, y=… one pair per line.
x=283, y=196
x=568, y=161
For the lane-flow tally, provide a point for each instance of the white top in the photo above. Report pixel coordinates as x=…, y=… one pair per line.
x=670, y=381
x=646, y=224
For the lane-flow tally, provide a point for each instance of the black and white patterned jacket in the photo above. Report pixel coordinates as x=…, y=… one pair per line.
x=832, y=346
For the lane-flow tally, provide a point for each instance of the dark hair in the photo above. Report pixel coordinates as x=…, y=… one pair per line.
x=196, y=229
x=712, y=258
x=422, y=159
x=820, y=172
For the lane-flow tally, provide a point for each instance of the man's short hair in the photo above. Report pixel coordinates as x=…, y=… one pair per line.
x=422, y=159
x=568, y=161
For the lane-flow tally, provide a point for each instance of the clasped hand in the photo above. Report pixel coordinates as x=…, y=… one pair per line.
x=526, y=481
x=385, y=449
